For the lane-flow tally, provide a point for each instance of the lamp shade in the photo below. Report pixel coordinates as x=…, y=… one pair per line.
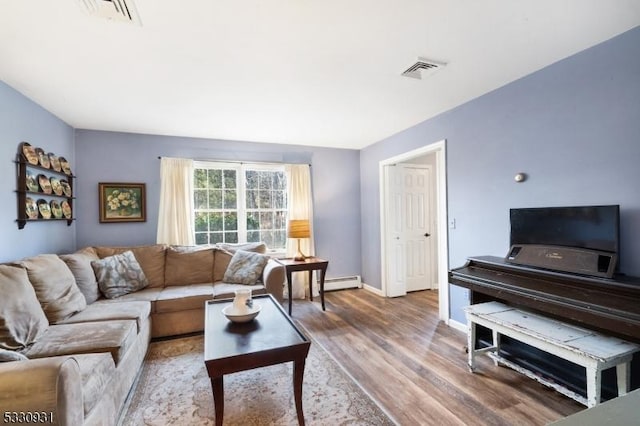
x=298, y=229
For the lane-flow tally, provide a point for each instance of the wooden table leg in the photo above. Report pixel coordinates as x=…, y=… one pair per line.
x=311, y=285
x=218, y=398
x=289, y=287
x=323, y=271
x=298, y=375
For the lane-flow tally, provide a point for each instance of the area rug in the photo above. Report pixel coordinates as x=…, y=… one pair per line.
x=174, y=389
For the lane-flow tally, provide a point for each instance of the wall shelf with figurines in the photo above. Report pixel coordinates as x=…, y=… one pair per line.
x=44, y=186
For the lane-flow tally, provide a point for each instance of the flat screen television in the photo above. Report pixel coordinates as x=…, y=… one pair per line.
x=583, y=240
x=587, y=227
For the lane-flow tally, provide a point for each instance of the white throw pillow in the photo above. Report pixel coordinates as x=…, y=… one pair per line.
x=119, y=274
x=245, y=267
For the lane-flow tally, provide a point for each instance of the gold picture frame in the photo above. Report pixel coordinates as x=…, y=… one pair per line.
x=122, y=202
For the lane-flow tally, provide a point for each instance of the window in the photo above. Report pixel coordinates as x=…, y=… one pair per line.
x=237, y=203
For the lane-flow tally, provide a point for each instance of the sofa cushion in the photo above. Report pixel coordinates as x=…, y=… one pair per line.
x=22, y=320
x=119, y=274
x=224, y=253
x=183, y=298
x=9, y=356
x=245, y=267
x=55, y=286
x=96, y=371
x=188, y=266
x=146, y=295
x=80, y=265
x=227, y=291
x=220, y=264
x=114, y=337
x=151, y=259
x=104, y=311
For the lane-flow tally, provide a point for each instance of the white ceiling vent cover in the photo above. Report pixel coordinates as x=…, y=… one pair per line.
x=423, y=68
x=117, y=10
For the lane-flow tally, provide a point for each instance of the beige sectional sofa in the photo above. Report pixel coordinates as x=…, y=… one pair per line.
x=83, y=351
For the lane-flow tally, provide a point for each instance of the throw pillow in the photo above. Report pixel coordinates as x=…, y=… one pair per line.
x=7, y=356
x=188, y=265
x=22, y=319
x=119, y=275
x=222, y=258
x=150, y=258
x=55, y=286
x=254, y=247
x=80, y=265
x=245, y=267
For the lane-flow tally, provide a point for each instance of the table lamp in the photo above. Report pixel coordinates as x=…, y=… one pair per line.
x=299, y=229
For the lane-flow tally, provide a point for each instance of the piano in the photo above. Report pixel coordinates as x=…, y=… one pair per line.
x=610, y=306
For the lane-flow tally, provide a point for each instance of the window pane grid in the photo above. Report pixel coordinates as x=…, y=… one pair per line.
x=240, y=204
x=215, y=198
x=266, y=206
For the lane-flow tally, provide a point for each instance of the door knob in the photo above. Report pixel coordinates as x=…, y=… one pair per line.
x=427, y=234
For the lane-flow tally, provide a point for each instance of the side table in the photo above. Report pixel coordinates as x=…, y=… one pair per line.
x=309, y=264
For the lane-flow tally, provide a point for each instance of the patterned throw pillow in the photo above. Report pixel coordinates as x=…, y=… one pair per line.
x=234, y=247
x=245, y=267
x=119, y=274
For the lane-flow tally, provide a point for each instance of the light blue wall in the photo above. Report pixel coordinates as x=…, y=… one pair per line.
x=573, y=127
x=23, y=120
x=124, y=157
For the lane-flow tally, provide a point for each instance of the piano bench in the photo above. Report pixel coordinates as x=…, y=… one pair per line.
x=595, y=352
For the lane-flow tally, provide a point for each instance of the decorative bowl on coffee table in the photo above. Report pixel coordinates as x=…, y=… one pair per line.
x=245, y=316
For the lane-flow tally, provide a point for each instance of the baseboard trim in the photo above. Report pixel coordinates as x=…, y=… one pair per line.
x=373, y=290
x=458, y=326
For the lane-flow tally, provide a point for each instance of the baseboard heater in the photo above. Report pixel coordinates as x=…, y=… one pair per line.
x=342, y=283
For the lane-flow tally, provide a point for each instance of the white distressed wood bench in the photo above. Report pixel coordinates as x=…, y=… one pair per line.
x=587, y=348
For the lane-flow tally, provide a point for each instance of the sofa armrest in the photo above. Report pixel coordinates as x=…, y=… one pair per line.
x=273, y=279
x=49, y=389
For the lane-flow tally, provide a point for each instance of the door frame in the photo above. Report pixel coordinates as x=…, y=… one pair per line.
x=442, y=250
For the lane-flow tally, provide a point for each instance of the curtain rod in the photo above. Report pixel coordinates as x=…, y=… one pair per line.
x=239, y=161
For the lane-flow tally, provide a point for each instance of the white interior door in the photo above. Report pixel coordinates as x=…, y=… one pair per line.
x=432, y=155
x=396, y=245
x=409, y=241
x=417, y=227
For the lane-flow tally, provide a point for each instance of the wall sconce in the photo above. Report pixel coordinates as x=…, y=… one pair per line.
x=299, y=229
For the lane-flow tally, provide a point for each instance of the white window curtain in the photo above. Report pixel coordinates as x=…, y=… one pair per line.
x=300, y=207
x=175, y=217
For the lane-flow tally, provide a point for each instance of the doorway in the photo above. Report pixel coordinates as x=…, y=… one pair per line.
x=413, y=224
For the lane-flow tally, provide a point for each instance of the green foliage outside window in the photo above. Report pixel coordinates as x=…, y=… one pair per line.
x=217, y=195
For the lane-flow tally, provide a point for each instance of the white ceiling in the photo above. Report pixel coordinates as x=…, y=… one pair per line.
x=310, y=72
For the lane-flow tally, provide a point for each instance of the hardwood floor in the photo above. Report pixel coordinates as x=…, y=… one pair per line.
x=415, y=367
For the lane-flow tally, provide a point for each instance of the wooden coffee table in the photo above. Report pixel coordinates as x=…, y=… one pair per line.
x=271, y=338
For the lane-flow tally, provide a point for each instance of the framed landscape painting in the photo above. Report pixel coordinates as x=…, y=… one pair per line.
x=122, y=202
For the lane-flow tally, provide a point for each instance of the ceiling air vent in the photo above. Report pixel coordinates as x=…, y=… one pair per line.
x=422, y=68
x=117, y=10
